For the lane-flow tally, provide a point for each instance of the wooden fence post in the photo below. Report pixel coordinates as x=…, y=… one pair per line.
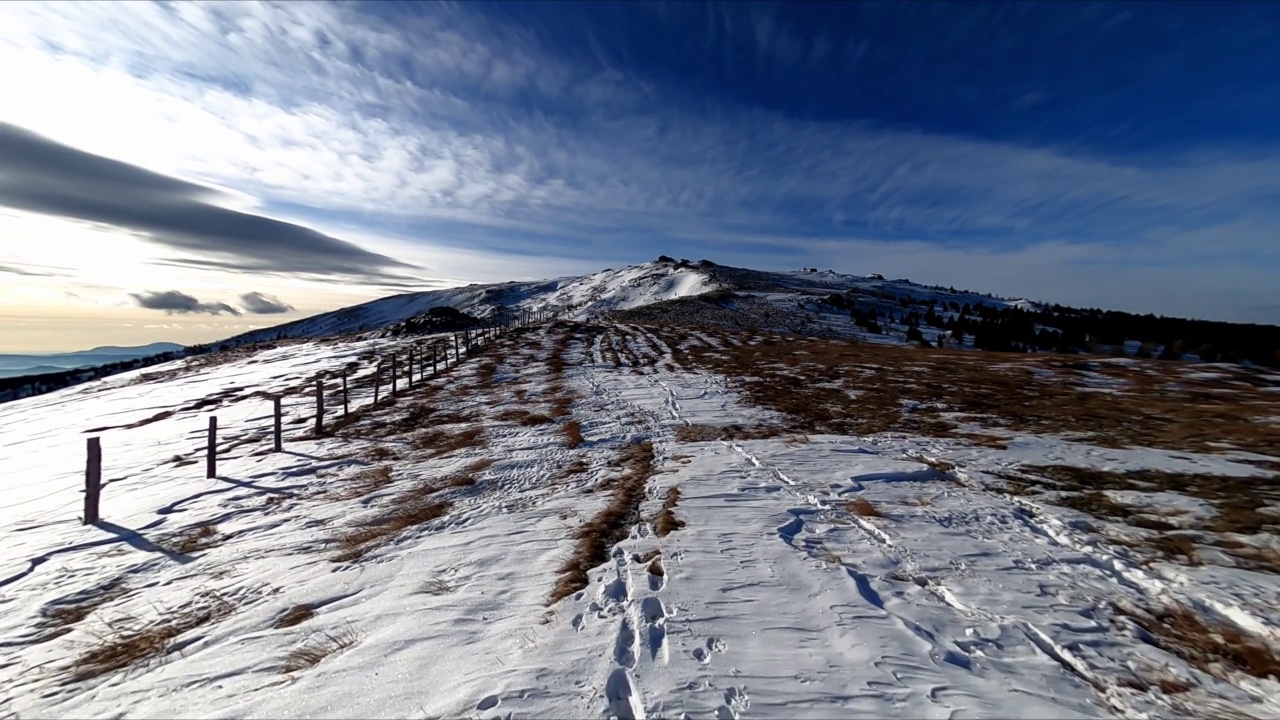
x=211, y=450
x=92, y=481
x=455, y=346
x=410, y=375
x=279, y=441
x=377, y=381
x=319, y=406
x=395, y=370
x=344, y=392
x=433, y=359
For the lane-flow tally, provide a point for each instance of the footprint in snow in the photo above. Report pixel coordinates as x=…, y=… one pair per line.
x=736, y=702
x=489, y=703
x=713, y=645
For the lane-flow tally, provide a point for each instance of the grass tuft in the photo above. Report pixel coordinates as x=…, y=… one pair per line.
x=130, y=643
x=295, y=615
x=193, y=540
x=318, y=647
x=667, y=522
x=572, y=431
x=409, y=510
x=862, y=507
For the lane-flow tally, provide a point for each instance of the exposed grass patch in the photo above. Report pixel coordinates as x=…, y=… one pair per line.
x=1251, y=557
x=317, y=647
x=667, y=522
x=129, y=643
x=439, y=441
x=60, y=616
x=1176, y=546
x=862, y=507
x=363, y=483
x=1236, y=499
x=562, y=405
x=572, y=431
x=1098, y=504
x=193, y=540
x=1146, y=404
x=295, y=615
x=410, y=509
x=707, y=433
x=1210, y=645
x=609, y=526
x=381, y=453
x=656, y=569
x=577, y=467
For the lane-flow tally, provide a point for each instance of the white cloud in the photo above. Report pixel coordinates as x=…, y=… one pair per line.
x=436, y=121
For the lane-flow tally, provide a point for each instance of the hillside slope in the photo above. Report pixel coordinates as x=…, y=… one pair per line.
x=602, y=520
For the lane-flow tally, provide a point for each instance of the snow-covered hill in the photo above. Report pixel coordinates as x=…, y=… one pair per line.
x=612, y=290
x=603, y=520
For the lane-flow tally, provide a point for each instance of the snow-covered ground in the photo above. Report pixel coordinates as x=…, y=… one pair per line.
x=819, y=576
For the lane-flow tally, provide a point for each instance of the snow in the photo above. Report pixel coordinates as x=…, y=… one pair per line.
x=778, y=600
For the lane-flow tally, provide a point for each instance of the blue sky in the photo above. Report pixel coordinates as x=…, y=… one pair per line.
x=1105, y=154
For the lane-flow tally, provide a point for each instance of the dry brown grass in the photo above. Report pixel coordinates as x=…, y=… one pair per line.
x=862, y=507
x=192, y=540
x=1251, y=557
x=129, y=643
x=707, y=433
x=609, y=526
x=381, y=453
x=1148, y=404
x=295, y=615
x=1236, y=499
x=439, y=586
x=409, y=510
x=656, y=569
x=667, y=521
x=572, y=431
x=363, y=483
x=1176, y=546
x=439, y=441
x=577, y=467
x=317, y=647
x=60, y=616
x=562, y=405
x=1212, y=646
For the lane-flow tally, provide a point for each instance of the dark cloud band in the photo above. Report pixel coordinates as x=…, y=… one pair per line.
x=180, y=303
x=42, y=176
x=262, y=304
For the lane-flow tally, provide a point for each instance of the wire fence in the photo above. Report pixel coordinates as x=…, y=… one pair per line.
x=314, y=406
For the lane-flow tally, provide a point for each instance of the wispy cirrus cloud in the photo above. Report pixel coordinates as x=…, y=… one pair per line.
x=464, y=127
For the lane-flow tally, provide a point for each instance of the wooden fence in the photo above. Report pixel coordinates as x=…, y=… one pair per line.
x=433, y=354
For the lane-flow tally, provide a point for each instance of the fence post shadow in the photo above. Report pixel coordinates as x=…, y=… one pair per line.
x=139, y=541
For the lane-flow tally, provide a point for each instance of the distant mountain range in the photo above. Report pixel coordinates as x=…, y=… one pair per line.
x=20, y=365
